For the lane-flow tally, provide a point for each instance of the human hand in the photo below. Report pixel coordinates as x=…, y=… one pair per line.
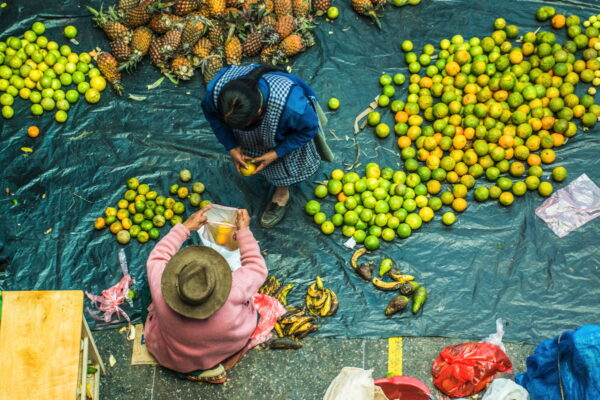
x=238, y=158
x=242, y=219
x=264, y=160
x=197, y=219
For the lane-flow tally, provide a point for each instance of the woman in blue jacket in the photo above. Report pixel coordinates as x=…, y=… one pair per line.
x=270, y=117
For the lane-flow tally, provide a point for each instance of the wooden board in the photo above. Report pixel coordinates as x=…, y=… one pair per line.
x=40, y=339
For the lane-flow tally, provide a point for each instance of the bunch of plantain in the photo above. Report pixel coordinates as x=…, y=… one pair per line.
x=272, y=287
x=295, y=324
x=405, y=284
x=320, y=300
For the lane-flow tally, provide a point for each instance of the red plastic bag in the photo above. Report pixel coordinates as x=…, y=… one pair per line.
x=269, y=310
x=467, y=368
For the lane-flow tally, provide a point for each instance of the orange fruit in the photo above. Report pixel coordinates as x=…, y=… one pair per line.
x=401, y=116
x=342, y=197
x=248, y=171
x=548, y=156
x=433, y=186
x=126, y=223
x=33, y=131
x=404, y=142
x=509, y=153
x=110, y=211
x=116, y=227
x=183, y=192
x=459, y=205
x=521, y=152
x=337, y=174
x=533, y=143
x=100, y=223
x=506, y=141
x=534, y=159
x=558, y=139
x=548, y=122
x=452, y=68
x=558, y=21
x=469, y=133
x=459, y=142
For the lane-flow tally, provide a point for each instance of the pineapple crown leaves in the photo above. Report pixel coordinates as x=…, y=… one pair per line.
x=197, y=18
x=305, y=24
x=205, y=62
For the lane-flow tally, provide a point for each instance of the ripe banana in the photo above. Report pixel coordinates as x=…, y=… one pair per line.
x=282, y=293
x=399, y=277
x=357, y=254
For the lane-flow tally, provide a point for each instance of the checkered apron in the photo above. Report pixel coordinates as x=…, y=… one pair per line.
x=294, y=167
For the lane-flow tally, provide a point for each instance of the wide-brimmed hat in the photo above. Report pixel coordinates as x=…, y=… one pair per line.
x=196, y=282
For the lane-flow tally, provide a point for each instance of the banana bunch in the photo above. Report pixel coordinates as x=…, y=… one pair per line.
x=320, y=300
x=295, y=323
x=273, y=288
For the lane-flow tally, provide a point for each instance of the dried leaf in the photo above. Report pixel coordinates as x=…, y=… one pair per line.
x=131, y=333
x=137, y=98
x=48, y=231
x=27, y=149
x=112, y=361
x=43, y=195
x=123, y=329
x=74, y=41
x=156, y=84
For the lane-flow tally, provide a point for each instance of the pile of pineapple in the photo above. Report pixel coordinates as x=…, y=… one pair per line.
x=372, y=8
x=180, y=36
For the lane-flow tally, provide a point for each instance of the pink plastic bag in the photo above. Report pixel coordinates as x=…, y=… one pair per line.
x=269, y=310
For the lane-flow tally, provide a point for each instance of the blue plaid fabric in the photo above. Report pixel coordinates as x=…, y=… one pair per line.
x=296, y=166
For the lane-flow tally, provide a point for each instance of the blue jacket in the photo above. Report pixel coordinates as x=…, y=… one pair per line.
x=298, y=125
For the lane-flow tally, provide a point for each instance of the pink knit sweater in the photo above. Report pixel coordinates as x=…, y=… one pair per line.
x=186, y=345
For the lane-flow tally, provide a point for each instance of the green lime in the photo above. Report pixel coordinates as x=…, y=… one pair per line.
x=448, y=218
x=8, y=112
x=70, y=32
x=38, y=27
x=61, y=116
x=36, y=109
x=83, y=87
x=154, y=233
x=333, y=103
x=333, y=12
x=72, y=96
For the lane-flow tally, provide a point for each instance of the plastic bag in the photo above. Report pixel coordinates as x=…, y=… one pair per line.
x=218, y=233
x=570, y=207
x=269, y=310
x=467, y=368
x=565, y=367
x=505, y=389
x=351, y=384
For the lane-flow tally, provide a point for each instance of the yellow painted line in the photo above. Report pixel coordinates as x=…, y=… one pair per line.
x=395, y=356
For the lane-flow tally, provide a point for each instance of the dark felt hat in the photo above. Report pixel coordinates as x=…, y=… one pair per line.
x=196, y=282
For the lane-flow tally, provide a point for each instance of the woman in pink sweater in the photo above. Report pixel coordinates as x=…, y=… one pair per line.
x=197, y=344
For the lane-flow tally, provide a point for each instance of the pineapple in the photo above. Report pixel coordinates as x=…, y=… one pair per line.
x=269, y=6
x=215, y=34
x=233, y=48
x=138, y=15
x=161, y=23
x=156, y=57
x=253, y=44
x=210, y=66
x=140, y=44
x=301, y=8
x=107, y=65
x=266, y=55
x=114, y=30
x=291, y=45
x=232, y=13
x=183, y=7
x=217, y=7
x=285, y=26
x=192, y=31
x=365, y=7
x=182, y=68
x=320, y=6
x=268, y=21
x=204, y=10
x=126, y=4
x=120, y=50
x=170, y=43
x=250, y=4
x=203, y=48
x=282, y=7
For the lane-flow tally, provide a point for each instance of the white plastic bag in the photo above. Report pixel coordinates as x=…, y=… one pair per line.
x=351, y=384
x=496, y=338
x=570, y=207
x=218, y=233
x=505, y=389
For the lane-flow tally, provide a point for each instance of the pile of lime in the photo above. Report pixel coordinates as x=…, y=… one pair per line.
x=142, y=211
x=482, y=120
x=382, y=204
x=493, y=109
x=51, y=76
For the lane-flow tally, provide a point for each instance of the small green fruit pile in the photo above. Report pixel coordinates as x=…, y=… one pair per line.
x=142, y=211
x=50, y=76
